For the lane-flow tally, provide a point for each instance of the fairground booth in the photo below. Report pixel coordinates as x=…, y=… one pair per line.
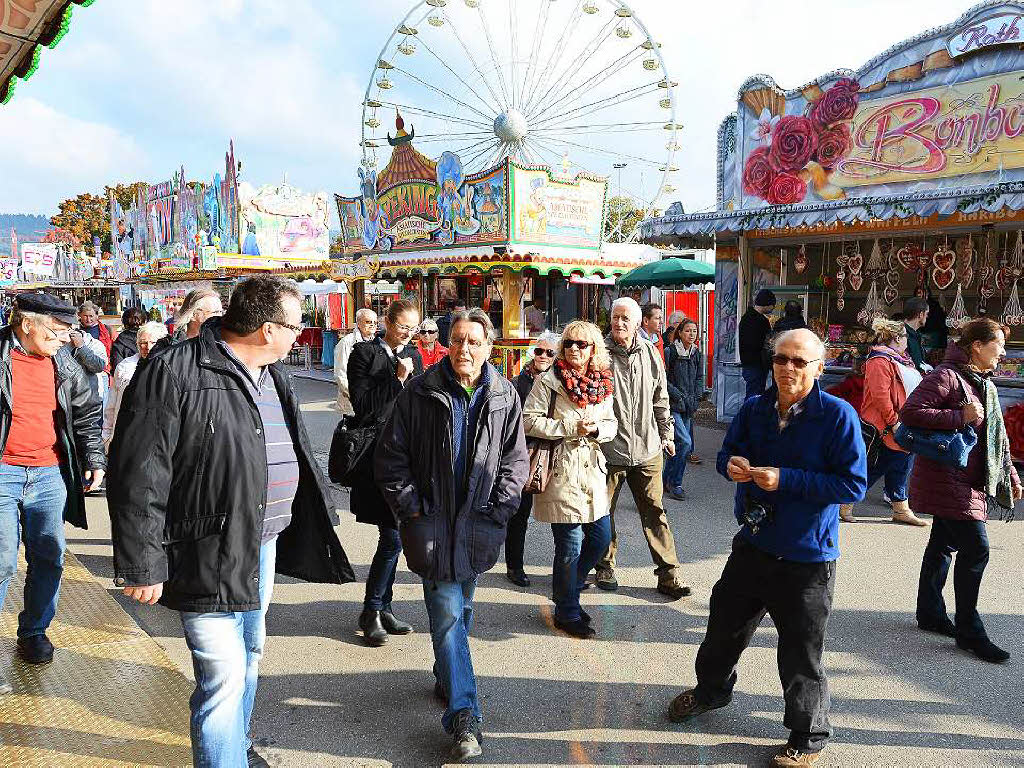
x=862, y=188
x=503, y=239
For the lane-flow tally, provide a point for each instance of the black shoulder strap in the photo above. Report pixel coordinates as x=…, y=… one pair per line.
x=551, y=405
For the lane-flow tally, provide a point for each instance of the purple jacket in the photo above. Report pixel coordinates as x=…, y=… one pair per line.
x=939, y=489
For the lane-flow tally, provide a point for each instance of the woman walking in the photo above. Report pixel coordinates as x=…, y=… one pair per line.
x=684, y=365
x=957, y=393
x=578, y=393
x=544, y=351
x=377, y=371
x=889, y=378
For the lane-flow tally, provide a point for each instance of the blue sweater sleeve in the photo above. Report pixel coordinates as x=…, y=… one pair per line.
x=847, y=481
x=737, y=439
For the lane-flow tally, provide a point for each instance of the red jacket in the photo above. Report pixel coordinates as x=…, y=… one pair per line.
x=429, y=358
x=884, y=396
x=850, y=389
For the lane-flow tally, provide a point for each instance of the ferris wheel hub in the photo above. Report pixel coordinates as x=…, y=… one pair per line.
x=511, y=126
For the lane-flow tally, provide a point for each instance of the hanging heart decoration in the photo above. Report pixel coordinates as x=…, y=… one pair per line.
x=893, y=279
x=987, y=291
x=943, y=278
x=842, y=259
x=944, y=263
x=856, y=280
x=907, y=256
x=841, y=275
x=944, y=258
x=800, y=262
x=892, y=259
x=856, y=263
x=1004, y=278
x=840, y=304
x=890, y=295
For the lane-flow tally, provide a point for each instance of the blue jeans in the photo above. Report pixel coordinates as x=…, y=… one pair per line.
x=226, y=650
x=756, y=378
x=450, y=609
x=381, y=579
x=969, y=539
x=32, y=507
x=675, y=466
x=578, y=548
x=895, y=467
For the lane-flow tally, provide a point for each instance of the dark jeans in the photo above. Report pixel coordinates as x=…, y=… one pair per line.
x=381, y=579
x=515, y=535
x=798, y=597
x=895, y=467
x=578, y=547
x=756, y=378
x=969, y=540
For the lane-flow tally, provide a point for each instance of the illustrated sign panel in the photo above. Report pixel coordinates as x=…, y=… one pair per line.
x=283, y=225
x=551, y=211
x=38, y=258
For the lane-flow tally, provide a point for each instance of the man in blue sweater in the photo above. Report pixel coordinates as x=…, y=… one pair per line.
x=796, y=454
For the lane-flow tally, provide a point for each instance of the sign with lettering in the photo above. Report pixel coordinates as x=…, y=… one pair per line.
x=9, y=270
x=998, y=30
x=38, y=258
x=552, y=211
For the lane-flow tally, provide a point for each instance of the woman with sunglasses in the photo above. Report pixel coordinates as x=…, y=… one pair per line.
x=430, y=348
x=577, y=391
x=889, y=378
x=543, y=355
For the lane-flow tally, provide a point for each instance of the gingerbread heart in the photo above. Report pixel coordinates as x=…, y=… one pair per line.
x=1004, y=277
x=967, y=276
x=840, y=276
x=892, y=260
x=842, y=260
x=856, y=263
x=987, y=291
x=890, y=295
x=923, y=260
x=840, y=304
x=856, y=281
x=907, y=256
x=944, y=258
x=893, y=279
x=943, y=278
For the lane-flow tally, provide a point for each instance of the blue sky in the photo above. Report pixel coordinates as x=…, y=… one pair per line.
x=141, y=87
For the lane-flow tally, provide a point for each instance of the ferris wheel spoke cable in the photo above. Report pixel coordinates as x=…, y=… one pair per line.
x=538, y=33
x=557, y=52
x=609, y=152
x=531, y=84
x=440, y=91
x=494, y=55
x=557, y=82
x=472, y=59
x=431, y=113
x=493, y=107
x=515, y=47
x=576, y=91
x=644, y=125
x=595, y=106
x=472, y=145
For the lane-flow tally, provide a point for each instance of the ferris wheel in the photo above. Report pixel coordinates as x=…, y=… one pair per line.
x=578, y=85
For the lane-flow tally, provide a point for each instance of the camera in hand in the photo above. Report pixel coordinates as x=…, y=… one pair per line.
x=757, y=514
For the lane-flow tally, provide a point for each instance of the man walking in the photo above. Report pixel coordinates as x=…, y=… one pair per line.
x=915, y=315
x=796, y=455
x=452, y=463
x=634, y=456
x=49, y=433
x=650, y=327
x=755, y=328
x=214, y=486
x=365, y=330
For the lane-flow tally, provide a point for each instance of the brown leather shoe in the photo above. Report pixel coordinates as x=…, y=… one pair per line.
x=902, y=513
x=674, y=588
x=686, y=706
x=846, y=513
x=790, y=756
x=695, y=459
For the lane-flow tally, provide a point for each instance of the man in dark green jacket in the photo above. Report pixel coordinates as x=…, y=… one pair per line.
x=915, y=315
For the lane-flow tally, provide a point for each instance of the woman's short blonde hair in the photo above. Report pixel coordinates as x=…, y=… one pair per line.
x=886, y=330
x=581, y=329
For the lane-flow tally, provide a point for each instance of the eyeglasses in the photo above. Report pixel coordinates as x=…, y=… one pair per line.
x=578, y=343
x=539, y=352
x=798, y=362
x=289, y=326
x=473, y=344
x=405, y=328
x=63, y=334
x=426, y=331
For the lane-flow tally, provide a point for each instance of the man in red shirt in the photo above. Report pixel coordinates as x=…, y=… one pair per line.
x=49, y=433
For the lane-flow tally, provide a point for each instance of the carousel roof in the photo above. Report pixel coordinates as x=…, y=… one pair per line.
x=407, y=163
x=25, y=25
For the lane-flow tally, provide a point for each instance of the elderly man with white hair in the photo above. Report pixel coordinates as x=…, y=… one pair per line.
x=795, y=454
x=365, y=330
x=634, y=456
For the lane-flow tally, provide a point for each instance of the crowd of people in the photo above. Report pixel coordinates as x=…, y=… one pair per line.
x=230, y=492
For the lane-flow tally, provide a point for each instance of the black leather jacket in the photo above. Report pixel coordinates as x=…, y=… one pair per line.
x=188, y=483
x=78, y=427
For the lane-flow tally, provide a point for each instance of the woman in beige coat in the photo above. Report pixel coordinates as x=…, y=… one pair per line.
x=575, y=501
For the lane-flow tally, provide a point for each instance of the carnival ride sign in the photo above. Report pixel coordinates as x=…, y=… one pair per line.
x=282, y=225
x=997, y=30
x=549, y=211
x=38, y=258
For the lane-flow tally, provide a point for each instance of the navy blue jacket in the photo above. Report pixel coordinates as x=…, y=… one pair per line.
x=820, y=456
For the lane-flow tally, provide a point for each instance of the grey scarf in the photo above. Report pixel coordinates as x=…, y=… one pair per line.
x=998, y=486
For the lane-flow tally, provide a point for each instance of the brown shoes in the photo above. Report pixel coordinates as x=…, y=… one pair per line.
x=687, y=706
x=902, y=513
x=790, y=756
x=846, y=513
x=695, y=459
x=674, y=588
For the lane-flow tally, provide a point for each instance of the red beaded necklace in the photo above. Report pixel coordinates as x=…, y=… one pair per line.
x=585, y=389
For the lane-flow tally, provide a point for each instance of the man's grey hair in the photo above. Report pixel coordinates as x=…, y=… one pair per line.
x=88, y=306
x=478, y=316
x=188, y=306
x=800, y=334
x=631, y=305
x=153, y=330
x=550, y=337
x=365, y=312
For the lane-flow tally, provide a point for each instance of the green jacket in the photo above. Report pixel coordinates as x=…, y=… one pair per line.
x=641, y=404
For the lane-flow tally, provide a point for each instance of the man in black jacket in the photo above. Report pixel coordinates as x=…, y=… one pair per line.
x=755, y=328
x=48, y=433
x=213, y=486
x=452, y=463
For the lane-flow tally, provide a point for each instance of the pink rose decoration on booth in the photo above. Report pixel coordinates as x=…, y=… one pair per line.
x=786, y=188
x=833, y=145
x=793, y=144
x=836, y=104
x=758, y=173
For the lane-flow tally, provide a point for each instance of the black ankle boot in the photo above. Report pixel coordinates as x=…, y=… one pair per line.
x=374, y=633
x=393, y=625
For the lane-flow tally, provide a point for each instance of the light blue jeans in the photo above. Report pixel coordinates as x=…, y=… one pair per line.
x=675, y=466
x=226, y=650
x=32, y=507
x=450, y=608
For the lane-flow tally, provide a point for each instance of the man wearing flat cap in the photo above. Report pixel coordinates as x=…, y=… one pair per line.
x=49, y=434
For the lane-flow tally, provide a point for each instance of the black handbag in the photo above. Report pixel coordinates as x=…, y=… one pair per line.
x=873, y=441
x=351, y=456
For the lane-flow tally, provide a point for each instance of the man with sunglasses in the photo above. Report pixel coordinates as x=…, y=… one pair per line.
x=213, y=488
x=365, y=330
x=796, y=454
x=49, y=433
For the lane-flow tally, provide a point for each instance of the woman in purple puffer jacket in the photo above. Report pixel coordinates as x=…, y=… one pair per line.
x=959, y=392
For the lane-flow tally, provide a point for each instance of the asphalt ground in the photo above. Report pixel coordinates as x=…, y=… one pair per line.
x=900, y=696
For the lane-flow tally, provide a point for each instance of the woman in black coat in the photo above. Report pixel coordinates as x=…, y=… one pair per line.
x=377, y=372
x=126, y=345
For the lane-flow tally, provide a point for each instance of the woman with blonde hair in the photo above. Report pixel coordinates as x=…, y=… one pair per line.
x=889, y=378
x=572, y=403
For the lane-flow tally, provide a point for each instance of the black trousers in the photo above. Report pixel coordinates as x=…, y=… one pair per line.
x=798, y=597
x=969, y=540
x=515, y=534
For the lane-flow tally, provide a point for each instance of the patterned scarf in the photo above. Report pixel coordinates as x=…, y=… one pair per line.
x=997, y=445
x=585, y=389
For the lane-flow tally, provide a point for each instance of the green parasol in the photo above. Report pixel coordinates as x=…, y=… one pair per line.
x=668, y=273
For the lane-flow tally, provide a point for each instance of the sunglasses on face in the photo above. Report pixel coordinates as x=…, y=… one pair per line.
x=798, y=362
x=578, y=343
x=543, y=352
x=426, y=332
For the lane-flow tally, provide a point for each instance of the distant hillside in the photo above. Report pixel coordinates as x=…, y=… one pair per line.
x=28, y=226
